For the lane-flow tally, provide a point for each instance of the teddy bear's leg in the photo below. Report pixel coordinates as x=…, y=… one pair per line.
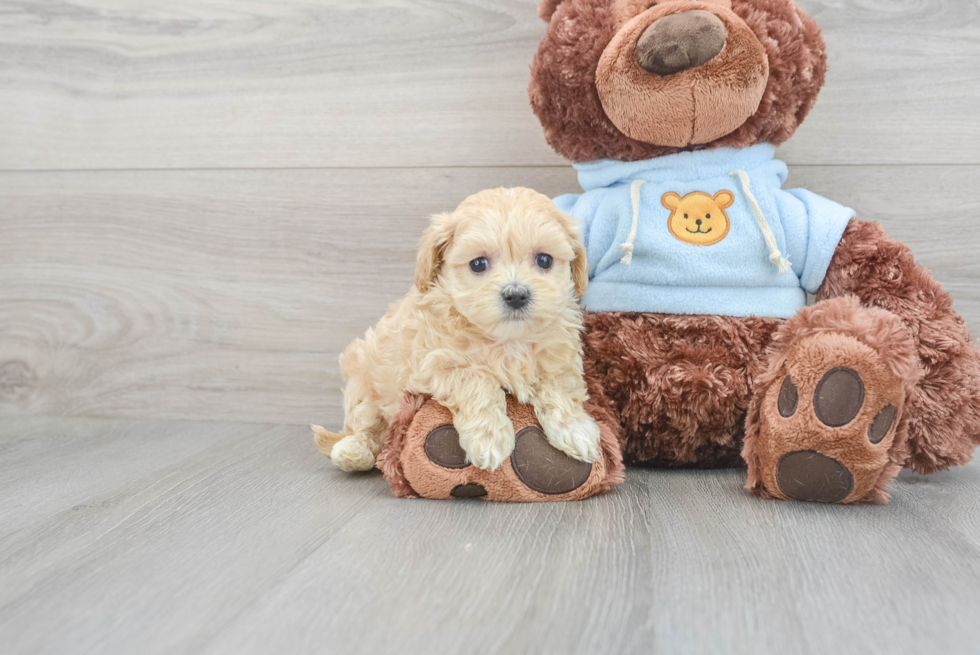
x=943, y=406
x=422, y=456
x=878, y=375
x=680, y=385
x=825, y=421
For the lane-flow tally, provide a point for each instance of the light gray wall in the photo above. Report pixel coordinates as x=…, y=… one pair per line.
x=203, y=201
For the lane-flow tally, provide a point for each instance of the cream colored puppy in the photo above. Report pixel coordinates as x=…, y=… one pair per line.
x=493, y=311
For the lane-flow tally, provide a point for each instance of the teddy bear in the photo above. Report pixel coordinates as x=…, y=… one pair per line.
x=701, y=349
x=698, y=329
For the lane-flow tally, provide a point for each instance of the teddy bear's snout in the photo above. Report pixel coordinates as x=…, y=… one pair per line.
x=680, y=42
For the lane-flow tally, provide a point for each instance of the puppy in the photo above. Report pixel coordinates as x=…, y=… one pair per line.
x=493, y=311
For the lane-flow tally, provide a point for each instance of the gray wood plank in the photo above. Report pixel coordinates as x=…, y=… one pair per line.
x=242, y=539
x=153, y=556
x=673, y=562
x=340, y=83
x=229, y=295
x=46, y=469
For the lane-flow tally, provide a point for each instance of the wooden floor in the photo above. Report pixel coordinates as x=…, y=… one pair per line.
x=127, y=536
x=203, y=201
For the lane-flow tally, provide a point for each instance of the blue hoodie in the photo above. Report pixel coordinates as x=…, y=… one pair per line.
x=706, y=232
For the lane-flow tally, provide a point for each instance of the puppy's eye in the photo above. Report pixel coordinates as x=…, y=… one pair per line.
x=707, y=215
x=685, y=215
x=479, y=264
x=544, y=261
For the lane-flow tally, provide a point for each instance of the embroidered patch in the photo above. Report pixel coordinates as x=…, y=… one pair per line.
x=698, y=218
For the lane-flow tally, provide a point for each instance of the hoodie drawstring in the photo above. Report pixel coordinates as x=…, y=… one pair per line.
x=775, y=256
x=627, y=247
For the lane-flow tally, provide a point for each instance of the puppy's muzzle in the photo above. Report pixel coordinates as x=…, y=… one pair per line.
x=516, y=296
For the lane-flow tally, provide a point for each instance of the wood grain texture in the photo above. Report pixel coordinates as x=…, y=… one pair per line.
x=229, y=295
x=122, y=536
x=379, y=83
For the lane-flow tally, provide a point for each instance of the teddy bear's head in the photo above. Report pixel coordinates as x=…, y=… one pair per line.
x=636, y=79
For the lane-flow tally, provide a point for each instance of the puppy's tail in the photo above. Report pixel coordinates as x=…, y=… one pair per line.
x=324, y=439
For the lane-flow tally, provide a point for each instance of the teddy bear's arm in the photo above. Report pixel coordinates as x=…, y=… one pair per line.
x=944, y=406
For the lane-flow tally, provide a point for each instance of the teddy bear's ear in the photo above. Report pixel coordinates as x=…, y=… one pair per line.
x=670, y=200
x=432, y=247
x=547, y=9
x=724, y=199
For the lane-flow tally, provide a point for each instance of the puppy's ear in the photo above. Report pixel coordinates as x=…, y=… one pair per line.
x=580, y=269
x=580, y=263
x=432, y=247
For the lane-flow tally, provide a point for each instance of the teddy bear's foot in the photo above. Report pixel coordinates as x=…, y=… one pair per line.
x=535, y=463
x=423, y=457
x=826, y=421
x=827, y=426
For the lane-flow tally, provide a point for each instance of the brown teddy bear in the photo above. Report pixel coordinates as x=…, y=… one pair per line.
x=704, y=346
x=700, y=348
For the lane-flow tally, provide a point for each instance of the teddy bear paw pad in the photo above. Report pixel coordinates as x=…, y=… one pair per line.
x=544, y=468
x=442, y=448
x=468, y=490
x=839, y=397
x=811, y=476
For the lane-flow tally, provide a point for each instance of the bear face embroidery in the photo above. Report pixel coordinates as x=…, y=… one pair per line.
x=697, y=218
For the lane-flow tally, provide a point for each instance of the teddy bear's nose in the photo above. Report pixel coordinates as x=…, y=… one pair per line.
x=680, y=42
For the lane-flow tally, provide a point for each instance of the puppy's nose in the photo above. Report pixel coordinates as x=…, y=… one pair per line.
x=680, y=42
x=698, y=222
x=516, y=296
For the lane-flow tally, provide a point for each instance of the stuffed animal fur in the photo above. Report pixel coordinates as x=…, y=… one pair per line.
x=701, y=340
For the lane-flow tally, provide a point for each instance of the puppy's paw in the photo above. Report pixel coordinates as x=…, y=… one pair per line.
x=487, y=445
x=349, y=454
x=578, y=437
